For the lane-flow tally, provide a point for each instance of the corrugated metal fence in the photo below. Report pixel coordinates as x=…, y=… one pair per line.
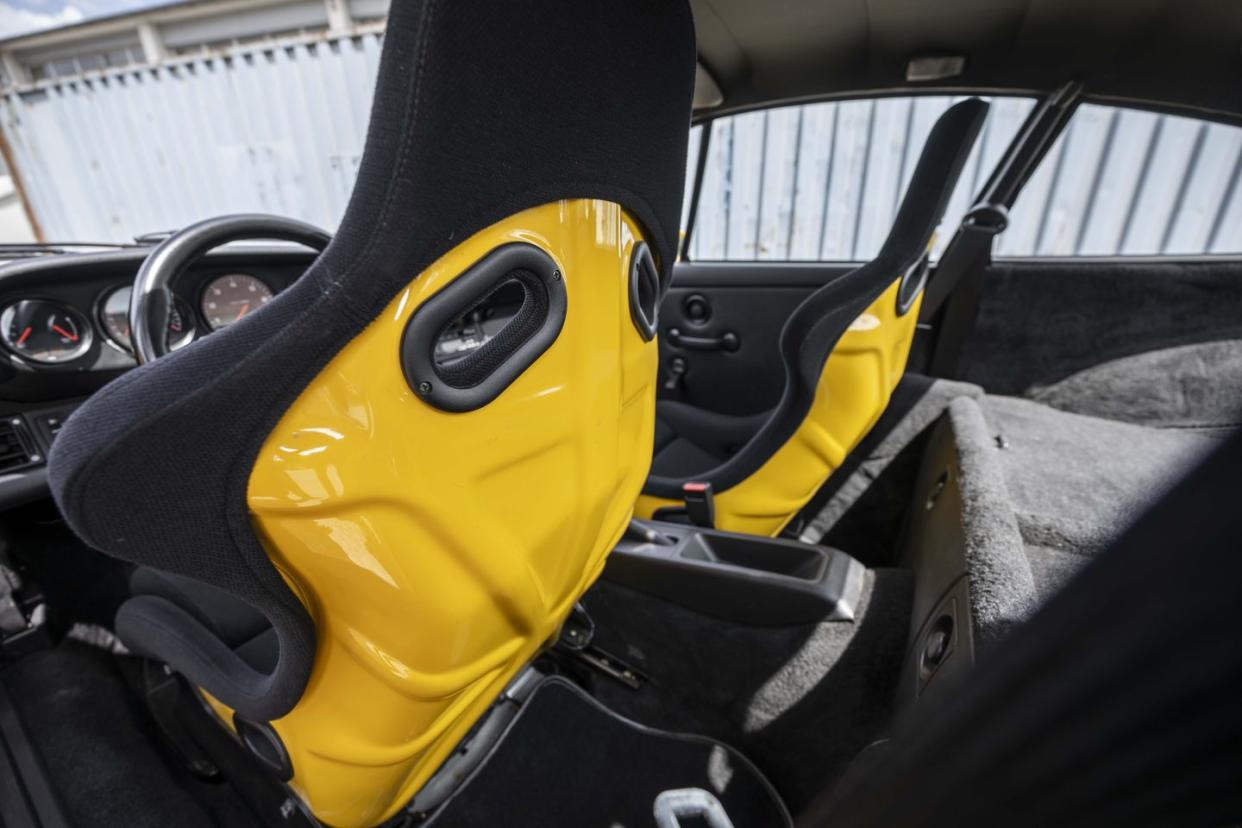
x=823, y=181
x=277, y=130
x=280, y=129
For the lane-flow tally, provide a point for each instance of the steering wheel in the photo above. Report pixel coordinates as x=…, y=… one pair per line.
x=152, y=300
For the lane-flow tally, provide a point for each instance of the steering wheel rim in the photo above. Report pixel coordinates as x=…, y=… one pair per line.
x=151, y=301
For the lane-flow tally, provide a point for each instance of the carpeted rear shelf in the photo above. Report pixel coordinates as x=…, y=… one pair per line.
x=567, y=760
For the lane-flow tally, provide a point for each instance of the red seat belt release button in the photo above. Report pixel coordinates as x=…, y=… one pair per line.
x=700, y=503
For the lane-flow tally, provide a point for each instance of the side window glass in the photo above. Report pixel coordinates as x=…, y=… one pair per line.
x=1125, y=182
x=822, y=182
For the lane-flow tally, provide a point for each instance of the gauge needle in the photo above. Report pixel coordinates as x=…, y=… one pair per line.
x=243, y=310
x=65, y=334
x=25, y=334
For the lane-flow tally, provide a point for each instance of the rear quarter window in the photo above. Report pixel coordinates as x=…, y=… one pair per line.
x=1125, y=182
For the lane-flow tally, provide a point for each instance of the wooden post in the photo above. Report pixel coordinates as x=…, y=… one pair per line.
x=6, y=151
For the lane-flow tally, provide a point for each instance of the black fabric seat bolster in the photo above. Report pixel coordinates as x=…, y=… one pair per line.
x=237, y=625
x=691, y=439
x=228, y=618
x=156, y=627
x=481, y=110
x=816, y=326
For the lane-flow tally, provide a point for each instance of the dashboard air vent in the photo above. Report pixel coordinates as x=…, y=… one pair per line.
x=15, y=446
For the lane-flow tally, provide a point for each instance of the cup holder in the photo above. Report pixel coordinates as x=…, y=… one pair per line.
x=804, y=562
x=739, y=578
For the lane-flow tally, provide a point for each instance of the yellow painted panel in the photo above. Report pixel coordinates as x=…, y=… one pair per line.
x=854, y=389
x=438, y=552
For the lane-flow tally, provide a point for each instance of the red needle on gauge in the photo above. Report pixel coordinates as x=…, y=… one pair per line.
x=243, y=310
x=65, y=334
x=25, y=334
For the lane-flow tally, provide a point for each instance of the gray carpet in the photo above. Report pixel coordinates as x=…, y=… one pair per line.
x=1195, y=387
x=799, y=701
x=1002, y=588
x=1041, y=321
x=1076, y=482
x=104, y=756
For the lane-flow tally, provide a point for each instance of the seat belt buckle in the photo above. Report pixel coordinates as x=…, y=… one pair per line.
x=700, y=504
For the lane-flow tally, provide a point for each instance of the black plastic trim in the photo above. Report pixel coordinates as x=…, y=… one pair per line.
x=265, y=745
x=766, y=275
x=467, y=290
x=739, y=578
x=696, y=192
x=912, y=283
x=645, y=291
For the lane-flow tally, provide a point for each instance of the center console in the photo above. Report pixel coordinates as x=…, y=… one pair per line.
x=740, y=578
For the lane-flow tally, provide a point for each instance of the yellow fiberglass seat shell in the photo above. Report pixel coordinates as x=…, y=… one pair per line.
x=407, y=532
x=438, y=551
x=843, y=351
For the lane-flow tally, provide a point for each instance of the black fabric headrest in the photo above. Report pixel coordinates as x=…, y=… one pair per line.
x=482, y=109
x=514, y=104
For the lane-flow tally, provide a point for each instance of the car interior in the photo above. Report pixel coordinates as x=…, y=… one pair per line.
x=510, y=502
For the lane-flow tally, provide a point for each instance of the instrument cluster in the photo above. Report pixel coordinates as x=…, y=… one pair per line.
x=44, y=331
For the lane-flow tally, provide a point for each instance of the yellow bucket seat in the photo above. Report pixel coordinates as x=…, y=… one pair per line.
x=350, y=543
x=843, y=351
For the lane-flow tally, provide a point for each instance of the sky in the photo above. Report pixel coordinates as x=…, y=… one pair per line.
x=24, y=16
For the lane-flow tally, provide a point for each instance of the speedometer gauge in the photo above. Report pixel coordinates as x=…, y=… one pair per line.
x=114, y=317
x=229, y=298
x=45, y=331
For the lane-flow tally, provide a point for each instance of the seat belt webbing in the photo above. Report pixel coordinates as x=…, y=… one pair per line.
x=957, y=286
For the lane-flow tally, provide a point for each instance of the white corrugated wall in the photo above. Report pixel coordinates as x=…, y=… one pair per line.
x=823, y=181
x=280, y=129
x=277, y=130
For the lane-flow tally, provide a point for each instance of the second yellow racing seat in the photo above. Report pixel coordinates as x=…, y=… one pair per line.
x=843, y=350
x=352, y=540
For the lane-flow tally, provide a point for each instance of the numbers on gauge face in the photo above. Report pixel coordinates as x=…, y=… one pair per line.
x=114, y=317
x=45, y=332
x=228, y=298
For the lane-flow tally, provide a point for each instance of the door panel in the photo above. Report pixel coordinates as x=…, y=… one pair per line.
x=751, y=301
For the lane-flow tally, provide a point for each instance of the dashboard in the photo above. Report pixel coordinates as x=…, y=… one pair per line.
x=64, y=319
x=64, y=334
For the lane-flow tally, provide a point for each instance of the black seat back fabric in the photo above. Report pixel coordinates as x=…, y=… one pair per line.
x=816, y=326
x=482, y=109
x=1117, y=704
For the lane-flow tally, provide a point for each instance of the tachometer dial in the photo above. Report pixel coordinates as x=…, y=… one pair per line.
x=45, y=331
x=229, y=298
x=114, y=316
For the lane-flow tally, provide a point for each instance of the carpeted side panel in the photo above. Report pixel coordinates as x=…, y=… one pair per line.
x=567, y=760
x=1002, y=589
x=1042, y=321
x=1116, y=706
x=799, y=701
x=1052, y=568
x=1188, y=387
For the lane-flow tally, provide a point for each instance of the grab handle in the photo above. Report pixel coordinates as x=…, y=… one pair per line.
x=727, y=341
